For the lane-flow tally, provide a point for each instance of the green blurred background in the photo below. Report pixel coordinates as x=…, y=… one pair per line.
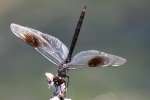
x=120, y=27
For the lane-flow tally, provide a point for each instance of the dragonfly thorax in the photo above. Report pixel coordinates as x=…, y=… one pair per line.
x=62, y=70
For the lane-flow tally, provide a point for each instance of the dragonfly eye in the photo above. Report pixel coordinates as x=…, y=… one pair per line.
x=94, y=62
x=49, y=82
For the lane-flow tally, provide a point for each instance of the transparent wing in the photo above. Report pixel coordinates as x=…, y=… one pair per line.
x=94, y=58
x=49, y=46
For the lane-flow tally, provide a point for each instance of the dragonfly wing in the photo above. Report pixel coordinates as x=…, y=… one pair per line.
x=49, y=46
x=94, y=58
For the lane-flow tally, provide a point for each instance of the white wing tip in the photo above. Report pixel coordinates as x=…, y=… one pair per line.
x=18, y=30
x=12, y=24
x=15, y=28
x=120, y=62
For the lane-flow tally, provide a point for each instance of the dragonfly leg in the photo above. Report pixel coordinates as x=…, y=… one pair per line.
x=68, y=80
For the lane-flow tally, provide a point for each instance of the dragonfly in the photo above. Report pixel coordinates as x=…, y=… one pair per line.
x=57, y=52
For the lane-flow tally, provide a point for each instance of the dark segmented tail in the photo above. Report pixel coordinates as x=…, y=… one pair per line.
x=76, y=34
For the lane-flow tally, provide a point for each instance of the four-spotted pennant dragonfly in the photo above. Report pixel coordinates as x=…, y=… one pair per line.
x=57, y=53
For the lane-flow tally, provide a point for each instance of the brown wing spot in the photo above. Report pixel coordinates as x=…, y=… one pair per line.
x=32, y=40
x=94, y=62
